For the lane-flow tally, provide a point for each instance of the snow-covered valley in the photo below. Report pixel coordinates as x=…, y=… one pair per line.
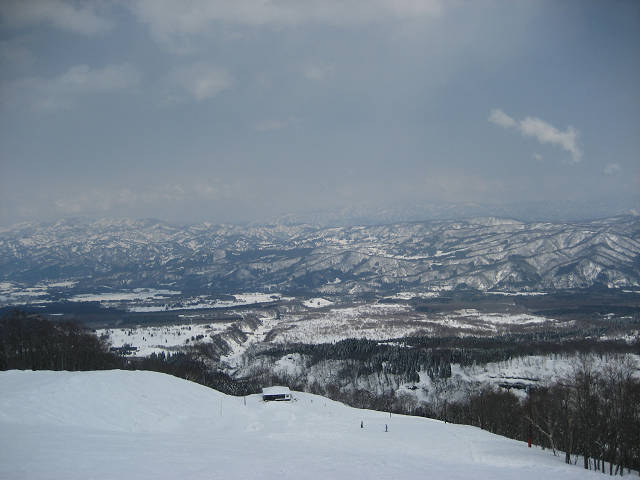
x=419, y=318
x=144, y=425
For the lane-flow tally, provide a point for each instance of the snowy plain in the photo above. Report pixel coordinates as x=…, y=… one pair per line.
x=145, y=425
x=322, y=322
x=157, y=339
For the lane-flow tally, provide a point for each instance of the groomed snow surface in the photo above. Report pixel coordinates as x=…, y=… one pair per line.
x=145, y=425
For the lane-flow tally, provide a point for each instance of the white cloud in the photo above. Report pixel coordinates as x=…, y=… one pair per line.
x=82, y=18
x=500, y=118
x=542, y=131
x=168, y=19
x=612, y=168
x=538, y=157
x=200, y=81
x=61, y=91
x=546, y=133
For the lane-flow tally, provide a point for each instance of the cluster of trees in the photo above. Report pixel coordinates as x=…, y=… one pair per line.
x=593, y=415
x=374, y=357
x=29, y=342
x=434, y=355
x=480, y=350
x=407, y=356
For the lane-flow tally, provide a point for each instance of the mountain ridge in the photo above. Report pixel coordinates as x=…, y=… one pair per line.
x=483, y=253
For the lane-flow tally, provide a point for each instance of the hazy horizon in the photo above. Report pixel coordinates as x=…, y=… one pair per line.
x=251, y=111
x=355, y=217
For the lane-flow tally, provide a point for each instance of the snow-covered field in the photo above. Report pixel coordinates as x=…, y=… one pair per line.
x=381, y=321
x=317, y=303
x=155, y=339
x=373, y=321
x=145, y=425
x=133, y=300
x=123, y=296
x=472, y=318
x=205, y=302
x=410, y=295
x=15, y=294
x=150, y=340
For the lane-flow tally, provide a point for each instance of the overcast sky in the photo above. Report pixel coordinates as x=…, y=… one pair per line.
x=249, y=109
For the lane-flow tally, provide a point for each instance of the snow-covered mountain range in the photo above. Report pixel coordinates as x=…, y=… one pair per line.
x=482, y=253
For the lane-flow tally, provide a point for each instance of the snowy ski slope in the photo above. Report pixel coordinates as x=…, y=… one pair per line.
x=145, y=425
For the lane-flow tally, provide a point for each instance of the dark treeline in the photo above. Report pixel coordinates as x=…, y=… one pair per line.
x=30, y=342
x=595, y=414
x=470, y=350
x=407, y=356
x=375, y=357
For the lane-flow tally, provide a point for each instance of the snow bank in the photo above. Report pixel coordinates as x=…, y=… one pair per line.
x=145, y=425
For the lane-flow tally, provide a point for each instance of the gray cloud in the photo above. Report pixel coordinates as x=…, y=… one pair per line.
x=287, y=106
x=62, y=90
x=318, y=71
x=83, y=18
x=196, y=15
x=171, y=21
x=611, y=168
x=84, y=79
x=274, y=124
x=15, y=53
x=200, y=81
